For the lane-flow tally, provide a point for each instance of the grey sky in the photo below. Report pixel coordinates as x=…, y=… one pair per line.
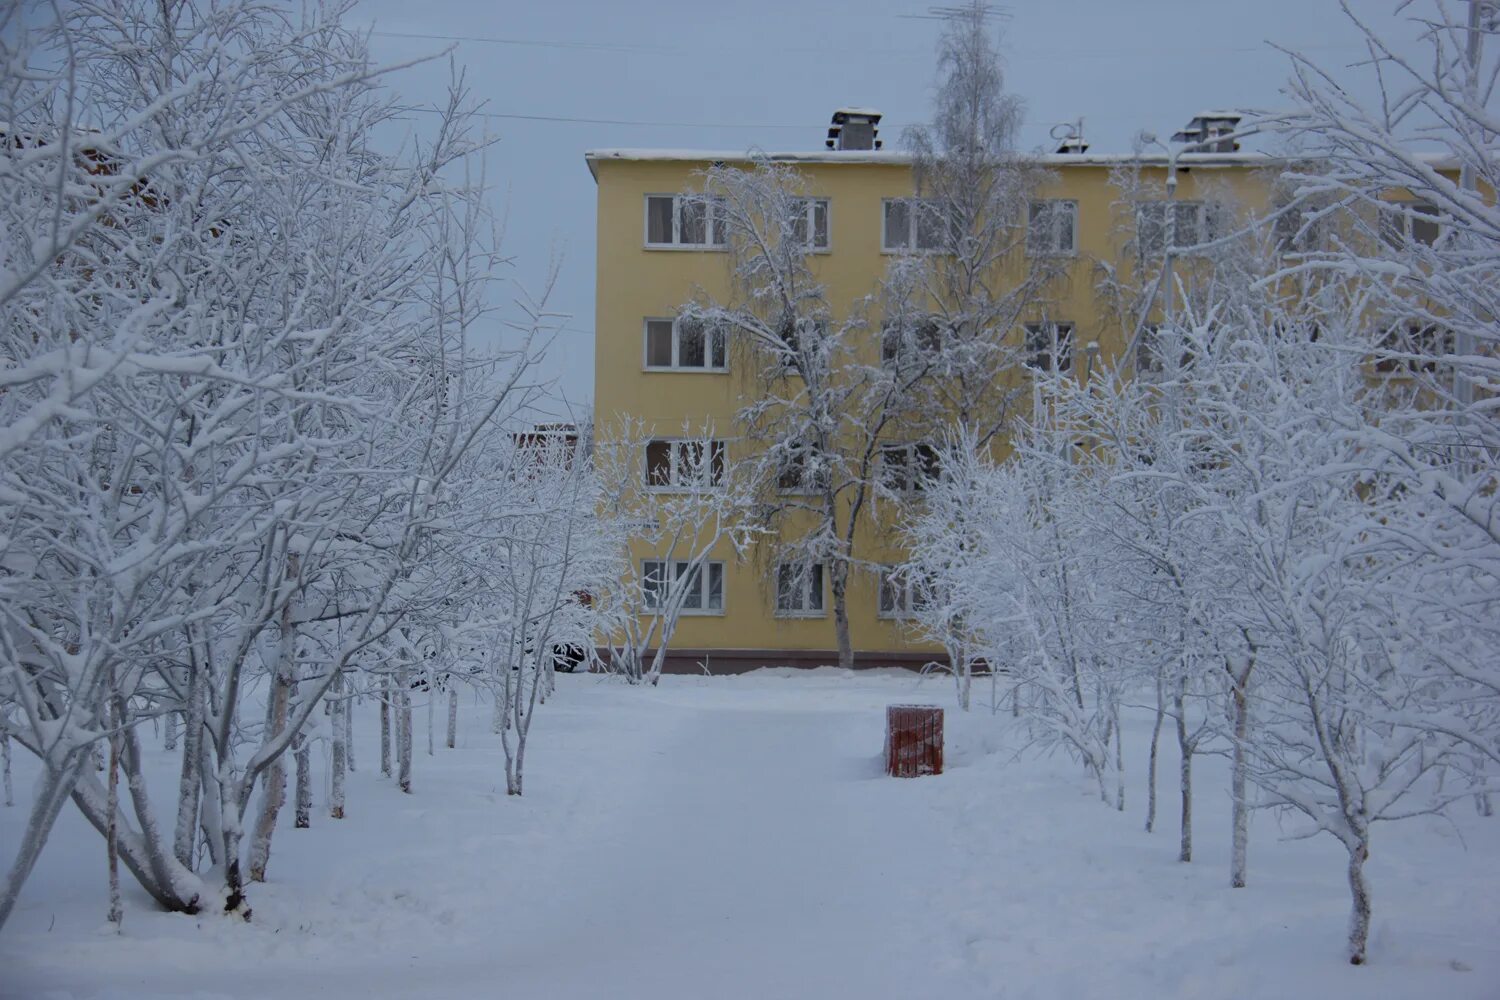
x=767, y=74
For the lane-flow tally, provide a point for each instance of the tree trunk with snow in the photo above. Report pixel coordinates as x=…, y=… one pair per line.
x=1185, y=749
x=112, y=835
x=340, y=750
x=303, y=817
x=1151, y=768
x=10, y=799
x=190, y=781
x=385, y=725
x=403, y=728
x=273, y=790
x=1238, y=769
x=452, y=714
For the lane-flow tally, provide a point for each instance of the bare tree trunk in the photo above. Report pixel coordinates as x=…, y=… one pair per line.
x=499, y=718
x=1119, y=759
x=452, y=714
x=403, y=730
x=1359, y=891
x=1185, y=749
x=1155, y=742
x=10, y=798
x=303, y=818
x=1239, y=767
x=385, y=726
x=841, y=615
x=431, y=697
x=190, y=780
x=340, y=707
x=273, y=794
x=169, y=739
x=349, y=728
x=112, y=834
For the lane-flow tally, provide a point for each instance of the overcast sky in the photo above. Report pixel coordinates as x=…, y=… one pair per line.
x=563, y=77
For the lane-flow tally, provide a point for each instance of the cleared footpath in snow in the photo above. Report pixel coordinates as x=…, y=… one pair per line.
x=735, y=837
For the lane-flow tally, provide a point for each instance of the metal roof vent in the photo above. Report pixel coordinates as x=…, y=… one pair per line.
x=854, y=128
x=1209, y=130
x=1069, y=138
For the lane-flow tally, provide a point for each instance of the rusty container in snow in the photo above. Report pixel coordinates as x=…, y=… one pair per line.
x=913, y=740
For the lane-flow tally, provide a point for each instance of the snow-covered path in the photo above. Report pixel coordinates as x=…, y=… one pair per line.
x=734, y=837
x=775, y=838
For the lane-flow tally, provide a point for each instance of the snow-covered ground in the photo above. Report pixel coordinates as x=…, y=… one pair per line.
x=735, y=837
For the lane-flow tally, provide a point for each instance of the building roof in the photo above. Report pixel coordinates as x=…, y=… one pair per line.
x=1239, y=158
x=900, y=158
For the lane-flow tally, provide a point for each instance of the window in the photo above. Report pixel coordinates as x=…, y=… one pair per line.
x=913, y=224
x=1424, y=341
x=672, y=464
x=1298, y=229
x=793, y=335
x=905, y=468
x=794, y=476
x=799, y=590
x=901, y=595
x=1148, y=353
x=810, y=222
x=1194, y=222
x=900, y=342
x=1049, y=346
x=702, y=586
x=683, y=220
x=1405, y=222
x=685, y=344
x=1053, y=228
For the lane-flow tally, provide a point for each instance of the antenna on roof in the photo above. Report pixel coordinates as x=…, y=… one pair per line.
x=1069, y=137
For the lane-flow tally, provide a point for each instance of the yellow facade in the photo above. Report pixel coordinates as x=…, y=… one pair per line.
x=635, y=282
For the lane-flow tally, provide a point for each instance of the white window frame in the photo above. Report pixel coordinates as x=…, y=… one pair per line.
x=1051, y=245
x=707, y=570
x=809, y=208
x=1398, y=217
x=805, y=488
x=930, y=326
x=904, y=587
x=885, y=243
x=678, y=200
x=911, y=480
x=678, y=465
x=1052, y=330
x=677, y=365
x=1204, y=230
x=809, y=587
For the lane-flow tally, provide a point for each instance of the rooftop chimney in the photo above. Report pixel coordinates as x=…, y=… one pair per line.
x=1209, y=130
x=854, y=128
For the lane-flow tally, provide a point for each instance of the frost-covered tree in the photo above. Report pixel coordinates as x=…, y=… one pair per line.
x=260, y=325
x=709, y=503
x=822, y=406
x=984, y=252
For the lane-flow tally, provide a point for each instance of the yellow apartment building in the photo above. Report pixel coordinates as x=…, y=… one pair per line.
x=651, y=262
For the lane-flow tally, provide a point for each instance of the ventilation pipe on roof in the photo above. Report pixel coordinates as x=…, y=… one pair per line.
x=854, y=128
x=1209, y=131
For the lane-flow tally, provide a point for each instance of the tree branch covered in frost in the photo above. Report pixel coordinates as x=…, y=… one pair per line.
x=241, y=393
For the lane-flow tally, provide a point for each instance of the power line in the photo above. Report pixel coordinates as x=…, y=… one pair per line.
x=565, y=119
